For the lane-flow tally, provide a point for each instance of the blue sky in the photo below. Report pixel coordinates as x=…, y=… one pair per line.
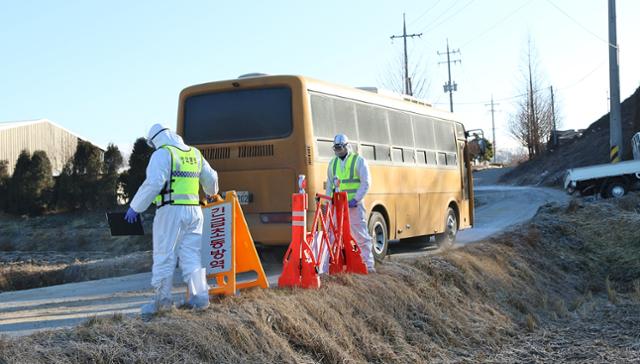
x=108, y=70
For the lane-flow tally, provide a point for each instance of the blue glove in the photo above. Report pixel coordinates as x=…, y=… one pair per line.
x=353, y=202
x=131, y=216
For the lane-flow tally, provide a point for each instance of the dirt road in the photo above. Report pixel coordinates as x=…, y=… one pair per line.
x=23, y=312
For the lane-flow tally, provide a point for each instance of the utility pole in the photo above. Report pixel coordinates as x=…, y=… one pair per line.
x=448, y=87
x=553, y=117
x=407, y=82
x=615, y=117
x=493, y=126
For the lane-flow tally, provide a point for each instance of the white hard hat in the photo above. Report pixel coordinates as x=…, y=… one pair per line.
x=340, y=140
x=153, y=132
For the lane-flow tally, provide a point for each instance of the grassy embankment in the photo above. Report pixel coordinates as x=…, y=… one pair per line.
x=67, y=247
x=536, y=293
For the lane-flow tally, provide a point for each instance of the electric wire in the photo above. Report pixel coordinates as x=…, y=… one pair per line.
x=580, y=25
x=512, y=97
x=414, y=21
x=499, y=22
x=431, y=27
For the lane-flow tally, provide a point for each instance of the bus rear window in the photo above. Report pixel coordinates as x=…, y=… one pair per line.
x=240, y=115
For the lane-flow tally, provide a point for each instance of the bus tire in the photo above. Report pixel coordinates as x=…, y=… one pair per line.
x=448, y=236
x=379, y=235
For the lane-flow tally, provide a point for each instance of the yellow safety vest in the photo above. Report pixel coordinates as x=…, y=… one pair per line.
x=184, y=184
x=348, y=176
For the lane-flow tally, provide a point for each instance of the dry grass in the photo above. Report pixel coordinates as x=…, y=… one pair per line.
x=34, y=274
x=612, y=295
x=502, y=300
x=395, y=316
x=78, y=231
x=636, y=290
x=67, y=247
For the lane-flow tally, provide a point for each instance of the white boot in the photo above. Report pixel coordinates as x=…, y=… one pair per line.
x=198, y=289
x=162, y=300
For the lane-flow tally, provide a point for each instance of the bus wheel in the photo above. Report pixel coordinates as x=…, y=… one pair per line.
x=448, y=237
x=379, y=235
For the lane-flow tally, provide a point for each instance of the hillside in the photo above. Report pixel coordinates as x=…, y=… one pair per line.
x=553, y=290
x=591, y=148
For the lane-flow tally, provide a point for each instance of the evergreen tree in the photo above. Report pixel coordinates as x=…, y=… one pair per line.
x=19, y=196
x=138, y=162
x=40, y=182
x=4, y=184
x=110, y=182
x=87, y=166
x=65, y=188
x=112, y=160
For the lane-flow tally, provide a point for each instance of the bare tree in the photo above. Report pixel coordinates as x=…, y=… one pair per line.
x=393, y=79
x=532, y=123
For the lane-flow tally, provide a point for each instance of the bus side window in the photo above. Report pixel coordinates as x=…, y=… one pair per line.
x=442, y=159
x=322, y=117
x=383, y=152
x=422, y=157
x=452, y=160
x=396, y=155
x=424, y=133
x=368, y=152
x=431, y=158
x=324, y=148
x=408, y=155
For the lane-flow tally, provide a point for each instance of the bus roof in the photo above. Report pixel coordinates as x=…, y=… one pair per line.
x=366, y=95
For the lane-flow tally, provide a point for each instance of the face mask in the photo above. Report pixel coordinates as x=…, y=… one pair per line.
x=150, y=140
x=340, y=150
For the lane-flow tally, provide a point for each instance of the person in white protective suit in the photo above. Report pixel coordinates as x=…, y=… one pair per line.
x=353, y=172
x=174, y=174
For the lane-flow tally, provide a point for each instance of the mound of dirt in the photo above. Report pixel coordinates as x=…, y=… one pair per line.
x=592, y=148
x=563, y=287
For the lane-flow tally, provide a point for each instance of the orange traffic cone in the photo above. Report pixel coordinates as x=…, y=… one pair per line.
x=299, y=268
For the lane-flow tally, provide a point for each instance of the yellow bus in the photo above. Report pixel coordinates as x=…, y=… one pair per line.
x=260, y=132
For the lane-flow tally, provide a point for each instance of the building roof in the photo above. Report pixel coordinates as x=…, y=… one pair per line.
x=4, y=125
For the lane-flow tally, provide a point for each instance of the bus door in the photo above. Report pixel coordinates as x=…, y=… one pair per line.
x=466, y=180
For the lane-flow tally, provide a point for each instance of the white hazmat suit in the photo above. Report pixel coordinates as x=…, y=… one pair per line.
x=357, y=215
x=177, y=229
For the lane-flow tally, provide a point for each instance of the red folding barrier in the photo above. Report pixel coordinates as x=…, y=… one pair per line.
x=331, y=229
x=353, y=262
x=299, y=267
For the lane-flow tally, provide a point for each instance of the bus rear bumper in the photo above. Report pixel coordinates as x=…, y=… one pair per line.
x=268, y=234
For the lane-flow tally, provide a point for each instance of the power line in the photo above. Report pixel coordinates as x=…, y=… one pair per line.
x=502, y=20
x=585, y=76
x=442, y=14
x=508, y=98
x=424, y=13
x=434, y=25
x=580, y=25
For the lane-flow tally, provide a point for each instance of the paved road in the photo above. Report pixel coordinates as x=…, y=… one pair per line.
x=23, y=312
x=499, y=208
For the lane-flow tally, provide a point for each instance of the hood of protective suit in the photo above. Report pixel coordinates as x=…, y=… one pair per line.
x=166, y=137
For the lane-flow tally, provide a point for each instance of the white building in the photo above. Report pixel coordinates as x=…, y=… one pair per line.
x=59, y=143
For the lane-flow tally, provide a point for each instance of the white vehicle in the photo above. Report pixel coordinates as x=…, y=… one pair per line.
x=608, y=180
